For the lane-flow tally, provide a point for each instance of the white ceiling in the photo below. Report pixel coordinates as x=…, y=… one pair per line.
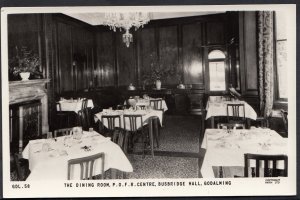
x=97, y=18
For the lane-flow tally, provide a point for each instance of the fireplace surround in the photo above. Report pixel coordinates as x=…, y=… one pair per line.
x=28, y=103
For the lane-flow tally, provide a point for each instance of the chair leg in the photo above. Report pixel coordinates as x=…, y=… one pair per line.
x=126, y=143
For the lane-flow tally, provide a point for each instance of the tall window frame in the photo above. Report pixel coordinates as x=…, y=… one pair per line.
x=216, y=56
x=280, y=42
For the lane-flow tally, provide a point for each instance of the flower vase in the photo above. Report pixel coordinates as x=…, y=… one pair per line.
x=25, y=76
x=158, y=84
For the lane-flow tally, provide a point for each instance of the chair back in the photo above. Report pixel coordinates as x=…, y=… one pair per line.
x=133, y=122
x=122, y=107
x=231, y=126
x=268, y=172
x=17, y=160
x=63, y=132
x=111, y=121
x=156, y=104
x=84, y=118
x=86, y=165
x=58, y=106
x=142, y=107
x=119, y=138
x=234, y=112
x=84, y=103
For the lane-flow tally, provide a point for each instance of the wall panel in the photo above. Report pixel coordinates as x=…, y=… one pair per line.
x=65, y=57
x=192, y=54
x=147, y=49
x=104, y=73
x=126, y=60
x=168, y=51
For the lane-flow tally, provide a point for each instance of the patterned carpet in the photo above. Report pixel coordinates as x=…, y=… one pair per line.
x=179, y=154
x=163, y=167
x=180, y=134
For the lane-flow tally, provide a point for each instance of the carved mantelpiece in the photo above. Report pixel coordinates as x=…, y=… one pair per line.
x=25, y=91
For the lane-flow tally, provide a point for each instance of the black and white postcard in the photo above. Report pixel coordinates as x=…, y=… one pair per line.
x=137, y=101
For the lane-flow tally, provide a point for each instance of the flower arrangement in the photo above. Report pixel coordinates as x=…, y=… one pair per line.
x=158, y=70
x=24, y=60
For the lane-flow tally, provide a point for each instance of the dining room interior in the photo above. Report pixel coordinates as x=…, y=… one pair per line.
x=142, y=95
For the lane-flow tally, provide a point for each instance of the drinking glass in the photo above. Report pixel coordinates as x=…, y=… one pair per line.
x=49, y=135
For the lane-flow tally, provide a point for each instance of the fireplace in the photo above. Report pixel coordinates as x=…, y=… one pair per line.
x=28, y=104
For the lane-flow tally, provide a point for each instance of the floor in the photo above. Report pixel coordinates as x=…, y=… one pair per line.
x=179, y=154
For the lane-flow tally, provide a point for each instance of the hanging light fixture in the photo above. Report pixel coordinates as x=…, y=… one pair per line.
x=126, y=21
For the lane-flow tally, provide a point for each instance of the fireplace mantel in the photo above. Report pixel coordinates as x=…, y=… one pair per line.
x=30, y=90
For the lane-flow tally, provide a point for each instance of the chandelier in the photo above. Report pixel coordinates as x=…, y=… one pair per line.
x=126, y=21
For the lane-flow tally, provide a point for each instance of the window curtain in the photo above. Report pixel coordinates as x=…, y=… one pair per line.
x=265, y=61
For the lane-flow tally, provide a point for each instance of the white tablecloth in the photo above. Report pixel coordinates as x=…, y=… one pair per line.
x=52, y=165
x=228, y=149
x=220, y=109
x=146, y=102
x=74, y=105
x=145, y=115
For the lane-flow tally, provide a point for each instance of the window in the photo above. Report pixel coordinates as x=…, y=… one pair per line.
x=281, y=57
x=216, y=64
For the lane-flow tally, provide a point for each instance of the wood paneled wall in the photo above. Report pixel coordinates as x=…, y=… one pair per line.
x=77, y=56
x=178, y=43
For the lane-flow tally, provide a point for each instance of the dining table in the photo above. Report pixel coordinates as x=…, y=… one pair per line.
x=218, y=108
x=73, y=104
x=226, y=148
x=146, y=114
x=146, y=102
x=51, y=163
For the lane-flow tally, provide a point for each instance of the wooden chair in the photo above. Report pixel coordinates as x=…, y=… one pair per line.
x=85, y=118
x=120, y=137
x=63, y=132
x=111, y=122
x=230, y=126
x=268, y=172
x=157, y=105
x=84, y=103
x=64, y=119
x=21, y=166
x=235, y=118
x=122, y=107
x=133, y=128
x=87, y=166
x=142, y=107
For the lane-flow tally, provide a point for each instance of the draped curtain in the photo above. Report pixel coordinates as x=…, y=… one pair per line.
x=265, y=61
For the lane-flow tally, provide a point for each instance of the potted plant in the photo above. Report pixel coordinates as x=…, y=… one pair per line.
x=158, y=71
x=24, y=63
